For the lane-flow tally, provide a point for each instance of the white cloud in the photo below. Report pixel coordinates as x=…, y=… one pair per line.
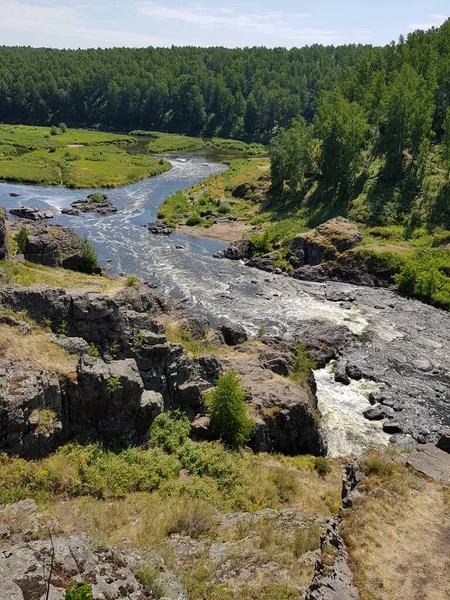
x=277, y=24
x=58, y=21
x=436, y=21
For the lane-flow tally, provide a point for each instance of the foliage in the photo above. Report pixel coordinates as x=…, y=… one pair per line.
x=62, y=328
x=89, y=256
x=79, y=590
x=291, y=156
x=194, y=219
x=21, y=239
x=96, y=198
x=261, y=332
x=228, y=411
x=132, y=281
x=322, y=466
x=162, y=142
x=169, y=431
x=93, y=351
x=113, y=385
x=426, y=276
x=303, y=365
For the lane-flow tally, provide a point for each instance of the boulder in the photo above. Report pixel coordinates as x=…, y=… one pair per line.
x=3, y=236
x=233, y=334
x=444, y=441
x=106, y=402
x=239, y=250
x=431, y=462
x=324, y=243
x=33, y=213
x=54, y=246
x=158, y=228
x=324, y=340
x=30, y=411
x=100, y=205
x=378, y=413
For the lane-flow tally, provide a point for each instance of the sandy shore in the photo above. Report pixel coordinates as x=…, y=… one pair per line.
x=225, y=232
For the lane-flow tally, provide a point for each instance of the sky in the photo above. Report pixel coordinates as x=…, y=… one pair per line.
x=138, y=23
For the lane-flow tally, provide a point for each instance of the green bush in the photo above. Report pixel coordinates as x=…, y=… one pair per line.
x=169, y=431
x=113, y=385
x=194, y=219
x=322, y=466
x=426, y=276
x=224, y=208
x=303, y=364
x=97, y=198
x=93, y=351
x=78, y=591
x=228, y=411
x=132, y=281
x=21, y=239
x=89, y=256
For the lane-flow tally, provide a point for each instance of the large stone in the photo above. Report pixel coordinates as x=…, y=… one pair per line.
x=233, y=334
x=444, y=442
x=30, y=411
x=32, y=213
x=239, y=250
x=3, y=236
x=431, y=462
x=106, y=402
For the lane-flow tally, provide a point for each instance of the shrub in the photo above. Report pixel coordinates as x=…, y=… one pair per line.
x=89, y=256
x=303, y=365
x=97, y=198
x=54, y=130
x=306, y=540
x=228, y=411
x=224, y=208
x=113, y=385
x=93, y=351
x=194, y=219
x=63, y=127
x=322, y=466
x=169, y=431
x=62, y=328
x=132, y=281
x=261, y=331
x=78, y=590
x=21, y=239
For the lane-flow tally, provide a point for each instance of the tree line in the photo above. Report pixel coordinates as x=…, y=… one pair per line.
x=243, y=93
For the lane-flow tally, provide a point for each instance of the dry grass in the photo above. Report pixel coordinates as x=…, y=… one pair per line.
x=27, y=273
x=399, y=537
x=35, y=349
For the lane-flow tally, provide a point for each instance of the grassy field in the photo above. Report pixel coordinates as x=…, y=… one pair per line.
x=105, y=165
x=33, y=138
x=167, y=142
x=397, y=534
x=75, y=158
x=215, y=194
x=250, y=149
x=27, y=273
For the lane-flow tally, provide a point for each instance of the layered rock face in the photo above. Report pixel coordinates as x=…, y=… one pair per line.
x=137, y=374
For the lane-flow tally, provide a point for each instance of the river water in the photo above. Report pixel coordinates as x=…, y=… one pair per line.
x=184, y=268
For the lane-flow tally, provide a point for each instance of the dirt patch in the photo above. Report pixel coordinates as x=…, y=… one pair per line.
x=225, y=232
x=75, y=145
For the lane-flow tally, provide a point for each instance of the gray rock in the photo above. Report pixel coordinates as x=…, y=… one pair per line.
x=378, y=413
x=158, y=228
x=33, y=213
x=73, y=212
x=3, y=236
x=233, y=334
x=30, y=411
x=239, y=250
x=72, y=345
x=340, y=374
x=431, y=462
x=393, y=427
x=105, y=207
x=444, y=441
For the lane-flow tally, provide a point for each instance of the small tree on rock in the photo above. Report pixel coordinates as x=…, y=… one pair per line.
x=228, y=411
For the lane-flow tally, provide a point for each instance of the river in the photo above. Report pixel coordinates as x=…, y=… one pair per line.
x=184, y=268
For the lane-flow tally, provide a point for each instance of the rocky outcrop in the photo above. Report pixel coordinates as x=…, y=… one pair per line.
x=239, y=250
x=431, y=462
x=30, y=410
x=107, y=402
x=158, y=228
x=3, y=236
x=44, y=568
x=233, y=334
x=287, y=417
x=33, y=213
x=95, y=203
x=333, y=579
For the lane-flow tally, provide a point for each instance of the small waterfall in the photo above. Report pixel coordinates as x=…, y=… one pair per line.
x=342, y=407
